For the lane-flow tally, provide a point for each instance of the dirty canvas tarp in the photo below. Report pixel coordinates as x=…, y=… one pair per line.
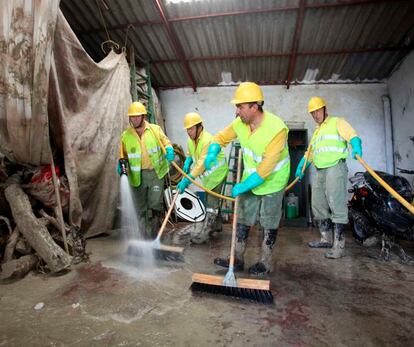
x=85, y=107
x=26, y=40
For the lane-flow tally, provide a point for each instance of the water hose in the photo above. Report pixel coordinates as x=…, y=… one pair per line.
x=386, y=186
x=217, y=195
x=303, y=168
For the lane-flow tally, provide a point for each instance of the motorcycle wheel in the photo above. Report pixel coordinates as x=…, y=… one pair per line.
x=360, y=226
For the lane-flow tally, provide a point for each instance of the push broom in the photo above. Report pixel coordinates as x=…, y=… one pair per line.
x=229, y=285
x=159, y=250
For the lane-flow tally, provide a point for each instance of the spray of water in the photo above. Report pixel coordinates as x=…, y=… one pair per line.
x=132, y=228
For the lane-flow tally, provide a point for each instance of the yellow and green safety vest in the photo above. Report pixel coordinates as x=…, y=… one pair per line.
x=213, y=177
x=254, y=146
x=132, y=145
x=328, y=147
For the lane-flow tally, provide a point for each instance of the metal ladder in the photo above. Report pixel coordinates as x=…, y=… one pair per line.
x=226, y=207
x=138, y=94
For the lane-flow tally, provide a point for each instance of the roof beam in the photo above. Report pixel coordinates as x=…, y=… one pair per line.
x=295, y=43
x=176, y=44
x=286, y=54
x=239, y=13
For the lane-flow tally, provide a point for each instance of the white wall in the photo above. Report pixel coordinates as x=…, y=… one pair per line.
x=401, y=91
x=360, y=104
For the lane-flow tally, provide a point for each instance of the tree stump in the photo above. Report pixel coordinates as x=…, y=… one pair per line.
x=34, y=230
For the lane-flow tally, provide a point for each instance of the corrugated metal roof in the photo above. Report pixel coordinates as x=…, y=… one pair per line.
x=354, y=42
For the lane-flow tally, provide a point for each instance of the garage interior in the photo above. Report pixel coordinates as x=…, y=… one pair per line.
x=70, y=71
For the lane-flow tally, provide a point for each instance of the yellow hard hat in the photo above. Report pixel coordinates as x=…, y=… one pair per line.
x=315, y=103
x=191, y=119
x=247, y=92
x=136, y=109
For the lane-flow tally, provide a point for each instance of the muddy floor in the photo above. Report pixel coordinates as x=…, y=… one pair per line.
x=115, y=301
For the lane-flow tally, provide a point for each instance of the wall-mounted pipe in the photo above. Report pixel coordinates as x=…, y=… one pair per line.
x=388, y=126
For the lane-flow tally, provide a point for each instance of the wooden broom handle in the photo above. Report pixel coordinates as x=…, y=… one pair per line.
x=236, y=205
x=308, y=151
x=217, y=195
x=59, y=204
x=167, y=216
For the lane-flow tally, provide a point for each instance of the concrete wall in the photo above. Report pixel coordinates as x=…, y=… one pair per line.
x=401, y=91
x=360, y=104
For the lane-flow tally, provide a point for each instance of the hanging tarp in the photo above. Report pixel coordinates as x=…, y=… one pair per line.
x=27, y=32
x=49, y=81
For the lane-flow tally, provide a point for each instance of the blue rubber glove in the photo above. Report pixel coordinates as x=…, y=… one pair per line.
x=356, y=144
x=170, y=153
x=298, y=172
x=187, y=164
x=211, y=157
x=184, y=183
x=249, y=183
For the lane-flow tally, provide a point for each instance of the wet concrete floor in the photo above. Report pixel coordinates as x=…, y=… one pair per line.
x=113, y=301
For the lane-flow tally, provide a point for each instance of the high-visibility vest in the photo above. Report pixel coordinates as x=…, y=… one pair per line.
x=132, y=145
x=328, y=147
x=213, y=177
x=254, y=146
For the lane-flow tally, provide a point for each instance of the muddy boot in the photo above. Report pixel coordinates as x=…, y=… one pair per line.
x=202, y=231
x=338, y=248
x=154, y=224
x=216, y=222
x=182, y=235
x=242, y=233
x=265, y=265
x=325, y=228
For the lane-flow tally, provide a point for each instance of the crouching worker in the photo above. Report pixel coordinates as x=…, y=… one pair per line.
x=197, y=144
x=146, y=165
x=263, y=139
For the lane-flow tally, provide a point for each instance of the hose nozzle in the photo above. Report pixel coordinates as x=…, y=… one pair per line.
x=123, y=164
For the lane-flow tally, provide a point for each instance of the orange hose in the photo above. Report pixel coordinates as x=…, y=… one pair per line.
x=225, y=197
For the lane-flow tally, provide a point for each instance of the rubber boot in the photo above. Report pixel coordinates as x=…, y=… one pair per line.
x=154, y=224
x=338, y=249
x=325, y=228
x=265, y=265
x=202, y=231
x=242, y=233
x=218, y=224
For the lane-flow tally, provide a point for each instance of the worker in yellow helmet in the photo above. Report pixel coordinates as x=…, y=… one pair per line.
x=329, y=191
x=143, y=160
x=198, y=141
x=263, y=138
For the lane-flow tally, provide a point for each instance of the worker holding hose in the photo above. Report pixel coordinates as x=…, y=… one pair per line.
x=146, y=165
x=329, y=145
x=263, y=139
x=197, y=144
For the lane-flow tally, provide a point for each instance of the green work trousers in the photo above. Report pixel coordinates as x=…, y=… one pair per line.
x=267, y=209
x=329, y=193
x=148, y=199
x=212, y=202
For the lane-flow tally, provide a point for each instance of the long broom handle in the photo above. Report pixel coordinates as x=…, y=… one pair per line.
x=386, y=186
x=236, y=205
x=217, y=195
x=167, y=216
x=303, y=168
x=59, y=204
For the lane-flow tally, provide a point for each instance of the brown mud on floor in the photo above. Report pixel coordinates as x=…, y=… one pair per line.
x=116, y=301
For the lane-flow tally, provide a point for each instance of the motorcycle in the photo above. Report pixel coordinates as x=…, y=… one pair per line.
x=375, y=215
